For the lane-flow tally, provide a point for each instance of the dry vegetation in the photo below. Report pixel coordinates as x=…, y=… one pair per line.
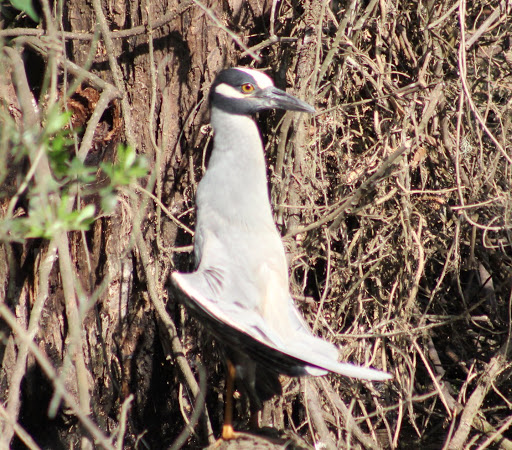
x=394, y=202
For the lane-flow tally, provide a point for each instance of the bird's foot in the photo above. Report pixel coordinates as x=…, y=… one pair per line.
x=228, y=433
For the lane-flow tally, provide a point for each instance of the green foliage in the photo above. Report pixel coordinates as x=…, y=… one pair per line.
x=59, y=143
x=45, y=220
x=54, y=203
x=128, y=169
x=56, y=121
x=27, y=7
x=125, y=172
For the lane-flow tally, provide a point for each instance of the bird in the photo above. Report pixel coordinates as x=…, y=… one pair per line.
x=240, y=286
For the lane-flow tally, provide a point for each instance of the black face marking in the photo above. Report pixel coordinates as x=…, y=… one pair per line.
x=237, y=79
x=233, y=77
x=238, y=92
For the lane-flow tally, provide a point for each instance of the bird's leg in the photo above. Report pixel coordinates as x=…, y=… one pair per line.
x=228, y=432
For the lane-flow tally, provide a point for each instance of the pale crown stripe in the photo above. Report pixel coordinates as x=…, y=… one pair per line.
x=228, y=91
x=262, y=80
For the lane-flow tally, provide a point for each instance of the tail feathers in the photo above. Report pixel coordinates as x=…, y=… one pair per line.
x=303, y=353
x=349, y=370
x=323, y=356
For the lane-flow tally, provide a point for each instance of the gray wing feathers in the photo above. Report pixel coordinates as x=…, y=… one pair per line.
x=204, y=287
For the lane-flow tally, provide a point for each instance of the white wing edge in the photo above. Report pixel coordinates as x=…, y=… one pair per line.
x=206, y=304
x=346, y=369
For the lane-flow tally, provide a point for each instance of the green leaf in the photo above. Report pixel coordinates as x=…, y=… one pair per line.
x=27, y=7
x=79, y=170
x=126, y=156
x=56, y=120
x=85, y=215
x=108, y=200
x=130, y=167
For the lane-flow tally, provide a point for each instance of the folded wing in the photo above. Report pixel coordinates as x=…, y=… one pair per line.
x=297, y=353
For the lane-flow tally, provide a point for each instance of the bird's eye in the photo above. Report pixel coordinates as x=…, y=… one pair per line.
x=247, y=88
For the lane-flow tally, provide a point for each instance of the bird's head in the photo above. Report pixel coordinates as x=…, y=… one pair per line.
x=246, y=91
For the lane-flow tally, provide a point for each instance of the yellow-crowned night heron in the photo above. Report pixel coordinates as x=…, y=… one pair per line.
x=240, y=286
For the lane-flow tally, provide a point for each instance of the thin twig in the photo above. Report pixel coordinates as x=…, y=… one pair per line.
x=119, y=34
x=19, y=430
x=51, y=373
x=354, y=198
x=13, y=399
x=116, y=72
x=196, y=414
x=122, y=421
x=176, y=346
x=232, y=35
x=165, y=210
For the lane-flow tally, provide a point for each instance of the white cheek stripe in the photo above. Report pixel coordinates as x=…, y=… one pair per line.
x=229, y=91
x=262, y=80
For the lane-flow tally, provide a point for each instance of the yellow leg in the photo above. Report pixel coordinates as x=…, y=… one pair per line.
x=228, y=432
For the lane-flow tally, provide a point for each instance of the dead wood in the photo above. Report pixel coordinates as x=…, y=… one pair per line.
x=394, y=202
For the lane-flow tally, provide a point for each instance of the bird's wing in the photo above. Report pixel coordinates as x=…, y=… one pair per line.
x=201, y=291
x=201, y=287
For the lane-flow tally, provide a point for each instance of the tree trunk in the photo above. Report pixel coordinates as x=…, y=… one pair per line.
x=160, y=78
x=393, y=202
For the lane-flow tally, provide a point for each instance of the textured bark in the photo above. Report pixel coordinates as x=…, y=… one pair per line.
x=394, y=203
x=122, y=348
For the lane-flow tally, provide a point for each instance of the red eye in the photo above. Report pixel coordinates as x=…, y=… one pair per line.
x=247, y=88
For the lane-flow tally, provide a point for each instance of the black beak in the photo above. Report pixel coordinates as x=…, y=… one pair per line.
x=276, y=98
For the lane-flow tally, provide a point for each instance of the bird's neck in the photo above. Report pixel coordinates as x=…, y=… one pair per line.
x=236, y=133
x=235, y=182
